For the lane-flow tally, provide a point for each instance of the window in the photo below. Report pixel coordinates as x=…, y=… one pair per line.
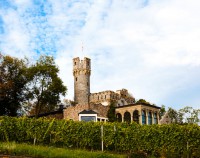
x=143, y=117
x=88, y=118
x=74, y=63
x=155, y=118
x=149, y=118
x=76, y=79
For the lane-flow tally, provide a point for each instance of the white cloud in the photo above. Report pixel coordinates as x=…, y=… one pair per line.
x=149, y=47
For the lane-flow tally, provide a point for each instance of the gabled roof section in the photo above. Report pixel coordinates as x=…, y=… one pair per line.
x=87, y=112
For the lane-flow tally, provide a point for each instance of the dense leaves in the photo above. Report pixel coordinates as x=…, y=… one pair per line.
x=45, y=87
x=159, y=140
x=25, y=87
x=13, y=81
x=111, y=113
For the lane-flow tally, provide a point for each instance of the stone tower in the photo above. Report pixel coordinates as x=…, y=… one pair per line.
x=81, y=72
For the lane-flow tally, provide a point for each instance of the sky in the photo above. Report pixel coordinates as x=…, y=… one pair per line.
x=149, y=47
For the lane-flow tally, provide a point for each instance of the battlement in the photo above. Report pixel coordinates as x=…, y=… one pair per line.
x=123, y=93
x=81, y=64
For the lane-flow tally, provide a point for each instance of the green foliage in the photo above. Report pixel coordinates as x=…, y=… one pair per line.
x=111, y=113
x=13, y=80
x=24, y=86
x=171, y=140
x=140, y=101
x=45, y=87
x=175, y=116
x=162, y=111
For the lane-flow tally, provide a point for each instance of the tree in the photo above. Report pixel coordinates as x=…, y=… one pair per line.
x=13, y=81
x=111, y=112
x=175, y=116
x=184, y=115
x=142, y=101
x=45, y=87
x=190, y=115
x=162, y=111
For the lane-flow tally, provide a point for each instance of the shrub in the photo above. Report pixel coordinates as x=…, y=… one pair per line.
x=157, y=140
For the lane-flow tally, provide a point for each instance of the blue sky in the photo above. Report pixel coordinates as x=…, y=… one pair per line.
x=149, y=47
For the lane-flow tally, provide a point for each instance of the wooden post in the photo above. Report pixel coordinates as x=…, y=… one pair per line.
x=102, y=137
x=115, y=136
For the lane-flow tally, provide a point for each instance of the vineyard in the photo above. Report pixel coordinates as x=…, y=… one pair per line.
x=158, y=140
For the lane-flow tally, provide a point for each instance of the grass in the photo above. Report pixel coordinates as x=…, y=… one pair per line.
x=12, y=148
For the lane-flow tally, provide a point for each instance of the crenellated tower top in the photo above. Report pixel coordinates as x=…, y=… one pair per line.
x=81, y=66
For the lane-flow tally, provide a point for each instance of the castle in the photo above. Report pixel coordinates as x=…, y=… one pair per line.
x=94, y=106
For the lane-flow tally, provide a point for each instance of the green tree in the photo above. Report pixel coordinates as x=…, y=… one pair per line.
x=45, y=87
x=162, y=111
x=175, y=116
x=142, y=101
x=13, y=80
x=111, y=112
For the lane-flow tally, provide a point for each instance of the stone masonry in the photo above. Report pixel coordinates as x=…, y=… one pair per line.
x=71, y=113
x=81, y=72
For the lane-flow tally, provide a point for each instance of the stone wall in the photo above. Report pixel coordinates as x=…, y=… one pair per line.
x=105, y=96
x=100, y=109
x=73, y=111
x=165, y=119
x=109, y=96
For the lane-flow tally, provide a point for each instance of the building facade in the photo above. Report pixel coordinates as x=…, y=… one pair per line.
x=94, y=106
x=140, y=113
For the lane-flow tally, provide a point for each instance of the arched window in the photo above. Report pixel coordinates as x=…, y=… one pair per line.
x=127, y=117
x=149, y=118
x=136, y=116
x=119, y=117
x=143, y=117
x=155, y=118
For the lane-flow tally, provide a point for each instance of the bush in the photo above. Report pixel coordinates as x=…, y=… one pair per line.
x=156, y=140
